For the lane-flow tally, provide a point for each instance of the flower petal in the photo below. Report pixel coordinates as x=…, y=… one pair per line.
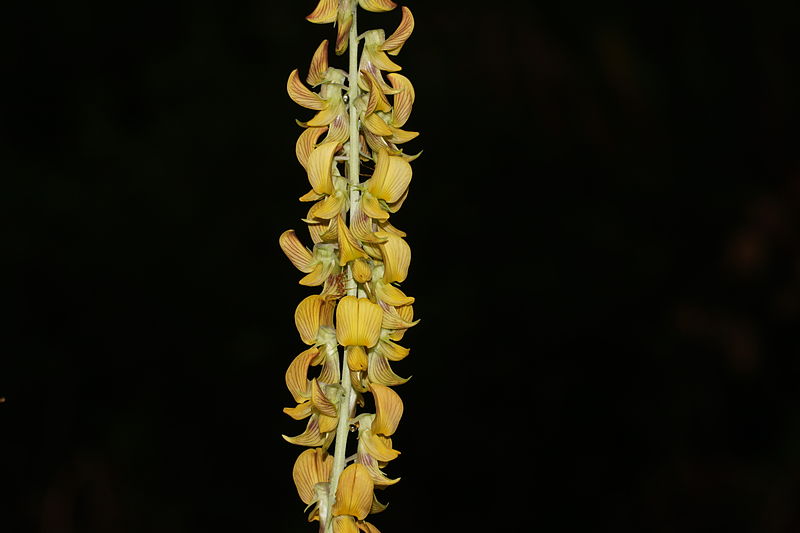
x=344, y=524
x=299, y=255
x=310, y=437
x=343, y=22
x=324, y=13
x=386, y=292
x=396, y=257
x=297, y=375
x=388, y=410
x=307, y=318
x=319, y=65
x=362, y=272
x=301, y=411
x=377, y=6
x=380, y=372
x=377, y=99
x=403, y=100
x=320, y=167
x=392, y=351
x=327, y=208
x=376, y=125
x=358, y=322
x=321, y=402
x=366, y=527
x=306, y=142
x=330, y=365
x=356, y=358
x=354, y=492
x=349, y=247
x=301, y=94
x=378, y=447
x=402, y=136
x=396, y=40
x=327, y=424
x=378, y=477
x=311, y=467
x=316, y=277
x=393, y=320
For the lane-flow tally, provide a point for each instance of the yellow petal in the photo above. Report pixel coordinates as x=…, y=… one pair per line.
x=378, y=447
x=395, y=206
x=311, y=467
x=321, y=402
x=396, y=40
x=320, y=167
x=326, y=116
x=392, y=351
x=301, y=94
x=366, y=527
x=327, y=424
x=375, y=142
x=377, y=99
x=327, y=208
x=343, y=22
x=319, y=64
x=388, y=409
x=403, y=100
x=344, y=524
x=354, y=492
x=396, y=257
x=311, y=196
x=371, y=207
x=297, y=375
x=361, y=270
x=306, y=318
x=378, y=477
x=379, y=58
x=316, y=277
x=338, y=130
x=324, y=13
x=377, y=6
x=306, y=142
x=301, y=411
x=356, y=358
x=378, y=507
x=379, y=371
x=388, y=293
x=393, y=320
x=376, y=125
x=349, y=247
x=391, y=177
x=299, y=255
x=358, y=322
x=310, y=437
x=401, y=136
x=330, y=365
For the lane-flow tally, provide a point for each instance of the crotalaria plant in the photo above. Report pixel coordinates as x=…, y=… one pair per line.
x=358, y=258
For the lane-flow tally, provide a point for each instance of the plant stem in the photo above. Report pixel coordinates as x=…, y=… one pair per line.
x=353, y=164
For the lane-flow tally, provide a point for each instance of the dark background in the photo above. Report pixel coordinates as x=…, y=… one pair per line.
x=604, y=226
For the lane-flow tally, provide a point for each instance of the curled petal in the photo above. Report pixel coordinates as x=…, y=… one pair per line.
x=396, y=40
x=393, y=320
x=380, y=372
x=327, y=424
x=297, y=375
x=349, y=247
x=310, y=437
x=366, y=527
x=391, y=177
x=377, y=6
x=316, y=277
x=301, y=411
x=327, y=115
x=299, y=255
x=328, y=207
x=372, y=208
x=402, y=136
x=388, y=410
x=377, y=99
x=354, y=492
x=362, y=272
x=388, y=293
x=358, y=322
x=319, y=64
x=376, y=125
x=301, y=94
x=320, y=167
x=311, y=467
x=378, y=477
x=343, y=22
x=392, y=351
x=324, y=13
x=338, y=130
x=321, y=402
x=403, y=100
x=378, y=447
x=306, y=143
x=330, y=365
x=344, y=524
x=307, y=317
x=356, y=358
x=396, y=257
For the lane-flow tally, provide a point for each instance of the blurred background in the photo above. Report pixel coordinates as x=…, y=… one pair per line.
x=606, y=261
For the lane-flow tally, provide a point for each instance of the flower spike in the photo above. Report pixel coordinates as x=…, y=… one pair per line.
x=357, y=259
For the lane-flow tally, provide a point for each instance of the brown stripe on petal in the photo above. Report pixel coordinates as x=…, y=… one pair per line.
x=324, y=13
x=319, y=64
x=388, y=410
x=330, y=366
x=320, y=167
x=299, y=255
x=354, y=492
x=316, y=277
x=402, y=136
x=396, y=181
x=310, y=437
x=343, y=23
x=321, y=402
x=338, y=130
x=403, y=100
x=306, y=143
x=302, y=95
x=396, y=40
x=377, y=446
x=377, y=6
x=306, y=318
x=379, y=371
x=297, y=375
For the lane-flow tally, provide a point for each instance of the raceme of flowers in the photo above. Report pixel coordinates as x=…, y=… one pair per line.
x=357, y=259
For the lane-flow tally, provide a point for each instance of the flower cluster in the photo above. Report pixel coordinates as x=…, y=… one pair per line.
x=358, y=259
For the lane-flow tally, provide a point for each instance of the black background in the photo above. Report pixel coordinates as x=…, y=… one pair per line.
x=604, y=225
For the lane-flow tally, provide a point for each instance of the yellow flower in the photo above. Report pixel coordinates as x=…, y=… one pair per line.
x=340, y=11
x=358, y=326
x=387, y=189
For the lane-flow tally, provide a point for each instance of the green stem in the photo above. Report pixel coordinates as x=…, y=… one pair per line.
x=353, y=169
